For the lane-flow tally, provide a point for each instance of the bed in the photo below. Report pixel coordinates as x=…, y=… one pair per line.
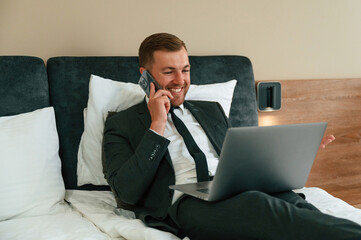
x=51, y=118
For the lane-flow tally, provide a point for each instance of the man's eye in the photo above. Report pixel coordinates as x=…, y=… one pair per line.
x=186, y=70
x=167, y=73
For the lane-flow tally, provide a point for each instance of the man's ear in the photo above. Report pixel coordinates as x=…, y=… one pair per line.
x=141, y=70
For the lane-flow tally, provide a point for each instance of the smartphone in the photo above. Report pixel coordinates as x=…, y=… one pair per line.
x=145, y=80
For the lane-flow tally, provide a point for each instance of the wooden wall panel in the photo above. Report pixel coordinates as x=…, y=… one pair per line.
x=337, y=169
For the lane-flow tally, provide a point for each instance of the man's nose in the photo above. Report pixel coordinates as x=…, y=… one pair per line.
x=178, y=78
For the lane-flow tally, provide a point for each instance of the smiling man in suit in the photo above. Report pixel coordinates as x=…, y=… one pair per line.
x=146, y=152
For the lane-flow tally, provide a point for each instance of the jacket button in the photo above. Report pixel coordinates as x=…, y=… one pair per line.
x=170, y=193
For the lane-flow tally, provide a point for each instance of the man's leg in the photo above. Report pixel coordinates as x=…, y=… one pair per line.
x=256, y=215
x=295, y=199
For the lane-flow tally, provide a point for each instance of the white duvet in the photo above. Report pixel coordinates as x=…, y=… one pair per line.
x=67, y=224
x=100, y=208
x=93, y=215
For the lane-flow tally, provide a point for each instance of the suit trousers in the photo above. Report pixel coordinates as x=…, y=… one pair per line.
x=257, y=215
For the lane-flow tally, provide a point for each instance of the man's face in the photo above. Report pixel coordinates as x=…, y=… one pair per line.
x=172, y=71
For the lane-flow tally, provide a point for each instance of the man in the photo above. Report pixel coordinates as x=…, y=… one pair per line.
x=145, y=154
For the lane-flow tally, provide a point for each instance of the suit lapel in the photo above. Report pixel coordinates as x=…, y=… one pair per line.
x=214, y=128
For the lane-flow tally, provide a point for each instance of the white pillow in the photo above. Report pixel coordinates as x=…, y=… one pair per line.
x=104, y=95
x=107, y=95
x=30, y=174
x=217, y=92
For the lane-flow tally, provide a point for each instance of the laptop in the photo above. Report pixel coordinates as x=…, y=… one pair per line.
x=269, y=159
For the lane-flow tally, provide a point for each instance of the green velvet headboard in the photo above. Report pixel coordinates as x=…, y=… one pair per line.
x=23, y=85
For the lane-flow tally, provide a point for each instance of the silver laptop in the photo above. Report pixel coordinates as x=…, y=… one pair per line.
x=268, y=159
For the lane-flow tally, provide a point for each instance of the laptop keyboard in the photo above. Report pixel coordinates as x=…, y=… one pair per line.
x=203, y=190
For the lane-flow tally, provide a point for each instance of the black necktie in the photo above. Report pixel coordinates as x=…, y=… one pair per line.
x=194, y=150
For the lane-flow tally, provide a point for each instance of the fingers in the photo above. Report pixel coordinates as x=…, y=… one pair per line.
x=158, y=106
x=159, y=103
x=152, y=90
x=160, y=96
x=327, y=140
x=160, y=92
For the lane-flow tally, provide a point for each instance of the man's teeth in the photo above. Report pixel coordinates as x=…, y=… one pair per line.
x=175, y=90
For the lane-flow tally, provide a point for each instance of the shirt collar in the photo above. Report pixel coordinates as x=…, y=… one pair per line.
x=181, y=107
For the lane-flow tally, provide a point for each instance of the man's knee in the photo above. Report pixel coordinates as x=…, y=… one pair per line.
x=255, y=197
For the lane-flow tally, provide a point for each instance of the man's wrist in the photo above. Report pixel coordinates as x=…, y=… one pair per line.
x=158, y=128
x=154, y=132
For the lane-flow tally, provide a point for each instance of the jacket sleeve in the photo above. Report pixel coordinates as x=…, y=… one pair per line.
x=131, y=167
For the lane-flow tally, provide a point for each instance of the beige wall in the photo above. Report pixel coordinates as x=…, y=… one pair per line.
x=285, y=39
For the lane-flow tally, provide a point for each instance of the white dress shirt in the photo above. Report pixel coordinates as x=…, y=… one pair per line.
x=183, y=162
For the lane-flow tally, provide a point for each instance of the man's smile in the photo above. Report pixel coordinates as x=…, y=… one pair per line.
x=176, y=90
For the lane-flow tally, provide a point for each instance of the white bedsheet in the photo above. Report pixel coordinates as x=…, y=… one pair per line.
x=66, y=224
x=331, y=205
x=100, y=208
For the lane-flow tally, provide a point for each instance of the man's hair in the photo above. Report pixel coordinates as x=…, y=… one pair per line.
x=156, y=42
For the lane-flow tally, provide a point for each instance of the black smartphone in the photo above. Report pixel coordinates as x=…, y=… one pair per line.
x=145, y=80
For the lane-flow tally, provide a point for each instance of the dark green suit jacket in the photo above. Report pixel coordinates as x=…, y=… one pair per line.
x=138, y=165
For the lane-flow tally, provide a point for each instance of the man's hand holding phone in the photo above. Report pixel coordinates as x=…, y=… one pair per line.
x=159, y=101
x=159, y=105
